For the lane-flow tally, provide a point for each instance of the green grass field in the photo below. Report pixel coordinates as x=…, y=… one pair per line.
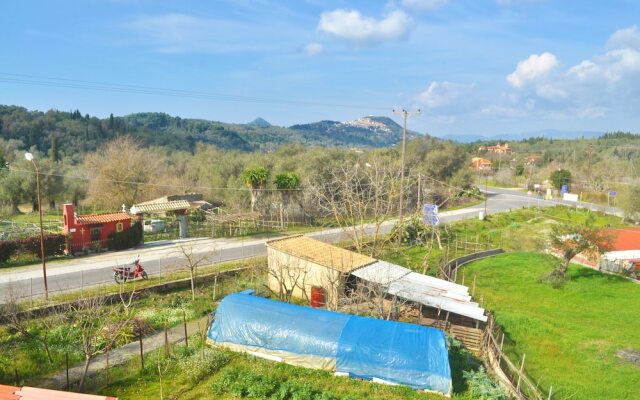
x=570, y=335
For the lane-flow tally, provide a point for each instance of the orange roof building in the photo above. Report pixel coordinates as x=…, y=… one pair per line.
x=89, y=231
x=480, y=163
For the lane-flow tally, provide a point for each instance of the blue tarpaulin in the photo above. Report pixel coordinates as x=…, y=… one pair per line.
x=367, y=348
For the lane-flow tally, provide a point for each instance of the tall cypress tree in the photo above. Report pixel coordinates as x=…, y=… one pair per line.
x=53, y=151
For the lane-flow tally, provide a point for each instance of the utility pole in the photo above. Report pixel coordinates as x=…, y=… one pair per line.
x=29, y=157
x=405, y=114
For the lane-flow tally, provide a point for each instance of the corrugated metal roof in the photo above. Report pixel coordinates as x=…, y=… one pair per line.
x=161, y=207
x=102, y=218
x=321, y=253
x=423, y=289
x=31, y=393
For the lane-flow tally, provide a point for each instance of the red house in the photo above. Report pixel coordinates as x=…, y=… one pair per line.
x=88, y=231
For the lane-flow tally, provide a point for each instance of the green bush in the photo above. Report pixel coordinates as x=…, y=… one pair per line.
x=126, y=239
x=197, y=367
x=54, y=245
x=481, y=387
x=242, y=383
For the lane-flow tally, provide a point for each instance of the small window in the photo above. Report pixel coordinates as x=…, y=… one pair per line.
x=119, y=227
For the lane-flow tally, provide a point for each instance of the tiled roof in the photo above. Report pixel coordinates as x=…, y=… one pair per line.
x=321, y=253
x=30, y=393
x=625, y=239
x=102, y=218
x=161, y=207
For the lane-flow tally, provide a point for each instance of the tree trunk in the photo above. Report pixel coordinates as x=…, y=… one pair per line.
x=46, y=349
x=193, y=278
x=254, y=200
x=87, y=359
x=561, y=270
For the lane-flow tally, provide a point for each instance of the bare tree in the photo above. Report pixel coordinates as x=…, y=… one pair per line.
x=359, y=199
x=192, y=261
x=287, y=275
x=91, y=317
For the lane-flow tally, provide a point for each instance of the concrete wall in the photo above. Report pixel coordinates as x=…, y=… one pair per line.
x=290, y=273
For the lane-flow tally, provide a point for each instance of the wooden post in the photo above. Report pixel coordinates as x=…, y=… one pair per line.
x=66, y=362
x=521, y=372
x=141, y=351
x=419, y=314
x=462, y=278
x=215, y=287
x=166, y=340
x=17, y=377
x=107, y=368
x=184, y=322
x=550, y=393
x=473, y=291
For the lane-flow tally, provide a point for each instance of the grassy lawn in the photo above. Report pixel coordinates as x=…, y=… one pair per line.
x=523, y=229
x=570, y=335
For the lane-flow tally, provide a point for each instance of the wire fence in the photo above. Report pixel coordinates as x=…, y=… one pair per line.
x=100, y=277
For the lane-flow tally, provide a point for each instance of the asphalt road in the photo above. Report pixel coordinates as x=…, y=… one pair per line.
x=158, y=258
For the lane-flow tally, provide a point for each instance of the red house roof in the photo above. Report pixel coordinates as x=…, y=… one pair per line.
x=102, y=218
x=625, y=239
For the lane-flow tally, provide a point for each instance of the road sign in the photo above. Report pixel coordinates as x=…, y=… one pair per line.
x=612, y=193
x=564, y=189
x=430, y=214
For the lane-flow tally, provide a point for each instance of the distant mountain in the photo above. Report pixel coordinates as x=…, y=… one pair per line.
x=260, y=122
x=547, y=133
x=370, y=131
x=76, y=134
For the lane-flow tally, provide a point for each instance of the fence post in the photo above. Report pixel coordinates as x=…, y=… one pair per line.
x=521, y=372
x=473, y=291
x=66, y=362
x=166, y=340
x=81, y=284
x=141, y=352
x=550, y=393
x=184, y=322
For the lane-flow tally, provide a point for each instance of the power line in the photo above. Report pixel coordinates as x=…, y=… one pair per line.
x=34, y=80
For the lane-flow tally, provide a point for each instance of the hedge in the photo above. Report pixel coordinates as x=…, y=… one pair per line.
x=126, y=239
x=54, y=245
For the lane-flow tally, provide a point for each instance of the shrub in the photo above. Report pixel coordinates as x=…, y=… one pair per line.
x=126, y=239
x=481, y=387
x=197, y=367
x=7, y=249
x=54, y=245
x=246, y=384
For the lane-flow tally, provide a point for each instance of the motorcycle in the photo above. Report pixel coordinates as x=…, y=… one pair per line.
x=122, y=274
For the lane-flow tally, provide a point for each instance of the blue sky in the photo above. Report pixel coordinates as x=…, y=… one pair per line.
x=472, y=66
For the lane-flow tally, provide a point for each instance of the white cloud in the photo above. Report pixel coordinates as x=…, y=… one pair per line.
x=550, y=92
x=423, y=4
x=626, y=38
x=359, y=30
x=532, y=69
x=440, y=94
x=313, y=49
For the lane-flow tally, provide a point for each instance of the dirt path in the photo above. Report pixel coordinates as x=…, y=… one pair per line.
x=123, y=354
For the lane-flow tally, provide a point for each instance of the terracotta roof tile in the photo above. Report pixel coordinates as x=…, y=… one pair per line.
x=162, y=207
x=31, y=393
x=625, y=239
x=321, y=253
x=102, y=218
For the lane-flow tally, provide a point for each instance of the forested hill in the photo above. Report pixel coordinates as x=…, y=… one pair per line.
x=71, y=134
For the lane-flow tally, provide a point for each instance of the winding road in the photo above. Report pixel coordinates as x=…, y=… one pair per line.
x=162, y=257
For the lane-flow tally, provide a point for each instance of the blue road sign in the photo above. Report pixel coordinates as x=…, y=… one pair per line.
x=564, y=189
x=430, y=214
x=612, y=193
